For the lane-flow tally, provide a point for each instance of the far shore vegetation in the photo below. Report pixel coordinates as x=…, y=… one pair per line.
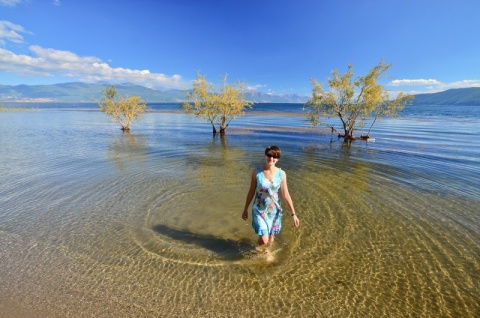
x=16, y=109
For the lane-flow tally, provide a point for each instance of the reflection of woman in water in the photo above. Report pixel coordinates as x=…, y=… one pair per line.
x=266, y=210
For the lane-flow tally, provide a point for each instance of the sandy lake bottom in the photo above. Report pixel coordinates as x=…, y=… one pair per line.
x=99, y=223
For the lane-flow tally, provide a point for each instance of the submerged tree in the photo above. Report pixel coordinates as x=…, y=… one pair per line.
x=123, y=110
x=219, y=108
x=354, y=101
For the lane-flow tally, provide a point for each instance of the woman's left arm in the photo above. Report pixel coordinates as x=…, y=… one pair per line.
x=288, y=199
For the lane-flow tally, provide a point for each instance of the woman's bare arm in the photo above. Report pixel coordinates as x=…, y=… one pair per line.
x=250, y=194
x=288, y=199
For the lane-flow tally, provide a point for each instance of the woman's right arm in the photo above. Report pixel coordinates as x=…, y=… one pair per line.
x=251, y=192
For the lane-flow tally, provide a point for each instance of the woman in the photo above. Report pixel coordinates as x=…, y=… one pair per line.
x=266, y=210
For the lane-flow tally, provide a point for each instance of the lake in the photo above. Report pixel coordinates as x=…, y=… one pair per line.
x=95, y=222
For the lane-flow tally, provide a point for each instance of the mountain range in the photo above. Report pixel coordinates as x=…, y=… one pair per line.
x=76, y=92
x=90, y=93
x=457, y=96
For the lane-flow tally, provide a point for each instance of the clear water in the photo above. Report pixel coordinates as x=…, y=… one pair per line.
x=99, y=223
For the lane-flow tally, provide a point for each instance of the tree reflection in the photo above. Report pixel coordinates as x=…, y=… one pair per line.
x=126, y=149
x=335, y=166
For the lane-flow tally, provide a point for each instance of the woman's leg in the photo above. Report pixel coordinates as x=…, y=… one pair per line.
x=263, y=240
x=271, y=238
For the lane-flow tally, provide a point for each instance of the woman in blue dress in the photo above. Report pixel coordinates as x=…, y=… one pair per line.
x=266, y=209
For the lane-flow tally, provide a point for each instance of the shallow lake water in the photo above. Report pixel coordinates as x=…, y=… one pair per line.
x=99, y=223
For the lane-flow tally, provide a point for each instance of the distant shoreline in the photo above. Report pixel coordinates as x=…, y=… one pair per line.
x=166, y=111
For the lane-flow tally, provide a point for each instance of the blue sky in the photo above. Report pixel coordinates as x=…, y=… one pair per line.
x=273, y=46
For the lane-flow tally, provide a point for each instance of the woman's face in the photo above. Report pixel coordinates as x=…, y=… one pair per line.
x=271, y=158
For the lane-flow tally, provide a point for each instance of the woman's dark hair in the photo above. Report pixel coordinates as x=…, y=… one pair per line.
x=275, y=150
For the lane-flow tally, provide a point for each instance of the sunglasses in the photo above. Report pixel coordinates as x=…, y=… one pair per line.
x=271, y=156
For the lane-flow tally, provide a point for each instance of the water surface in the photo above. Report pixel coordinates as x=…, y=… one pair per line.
x=99, y=223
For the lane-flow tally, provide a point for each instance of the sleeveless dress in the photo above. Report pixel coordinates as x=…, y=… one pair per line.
x=266, y=210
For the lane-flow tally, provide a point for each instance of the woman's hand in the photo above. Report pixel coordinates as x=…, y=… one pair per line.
x=245, y=215
x=296, y=221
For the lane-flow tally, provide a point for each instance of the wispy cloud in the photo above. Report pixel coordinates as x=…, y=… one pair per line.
x=51, y=62
x=56, y=2
x=10, y=3
x=11, y=32
x=415, y=82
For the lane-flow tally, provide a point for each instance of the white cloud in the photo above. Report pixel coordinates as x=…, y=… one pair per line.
x=254, y=87
x=11, y=32
x=432, y=85
x=415, y=82
x=465, y=83
x=56, y=2
x=10, y=3
x=429, y=86
x=51, y=62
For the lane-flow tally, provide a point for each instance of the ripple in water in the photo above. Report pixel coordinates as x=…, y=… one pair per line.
x=99, y=223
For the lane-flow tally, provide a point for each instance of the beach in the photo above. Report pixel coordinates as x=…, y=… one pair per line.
x=95, y=222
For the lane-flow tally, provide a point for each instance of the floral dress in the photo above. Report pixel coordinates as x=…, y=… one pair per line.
x=266, y=211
